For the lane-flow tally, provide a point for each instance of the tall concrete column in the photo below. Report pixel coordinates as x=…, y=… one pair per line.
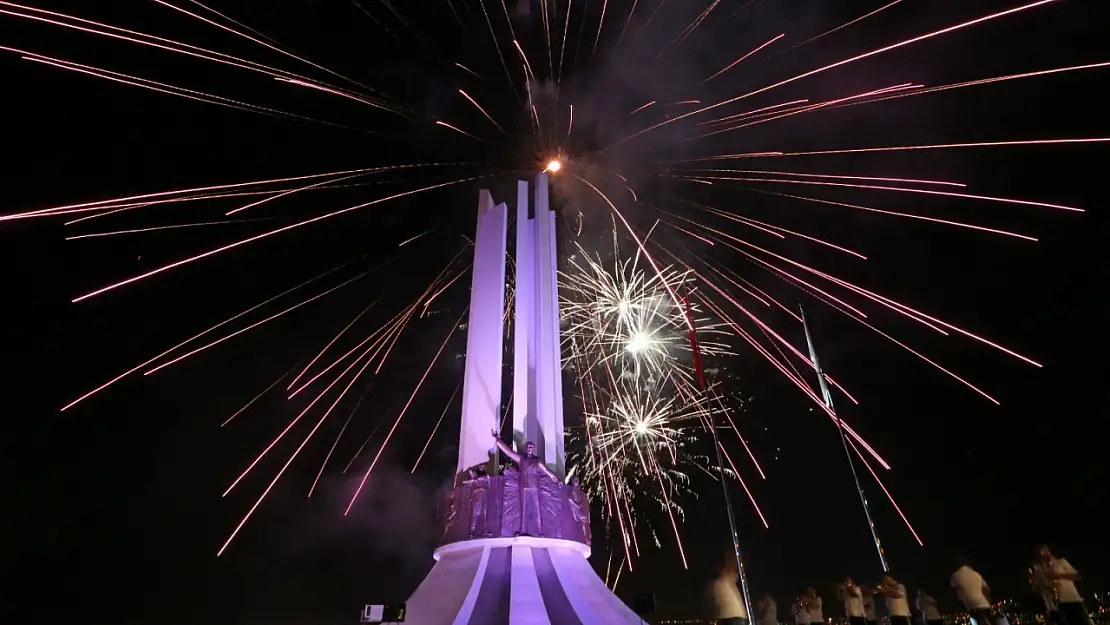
x=481, y=407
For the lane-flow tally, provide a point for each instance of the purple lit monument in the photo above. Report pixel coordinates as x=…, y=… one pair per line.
x=513, y=547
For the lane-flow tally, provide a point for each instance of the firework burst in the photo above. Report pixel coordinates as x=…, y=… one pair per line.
x=649, y=115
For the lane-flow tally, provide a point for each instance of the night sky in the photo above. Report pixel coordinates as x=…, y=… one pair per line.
x=117, y=506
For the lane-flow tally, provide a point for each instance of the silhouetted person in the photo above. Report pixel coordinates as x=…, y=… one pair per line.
x=973, y=590
x=852, y=596
x=814, y=606
x=728, y=602
x=768, y=611
x=897, y=604
x=1059, y=578
x=869, y=615
x=927, y=606
x=800, y=610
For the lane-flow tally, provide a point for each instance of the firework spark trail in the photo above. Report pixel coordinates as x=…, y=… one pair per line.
x=341, y=93
x=207, y=331
x=689, y=30
x=338, y=437
x=842, y=26
x=966, y=196
x=462, y=132
x=259, y=42
x=333, y=340
x=255, y=324
x=777, y=270
x=600, y=23
x=563, y=48
x=369, y=355
x=897, y=148
x=483, y=111
x=170, y=227
x=839, y=177
x=497, y=46
x=890, y=497
x=896, y=342
x=470, y=71
x=801, y=384
x=628, y=20
x=132, y=36
x=189, y=94
x=741, y=59
x=843, y=62
x=290, y=192
x=293, y=456
x=259, y=396
x=635, y=237
x=379, y=335
x=981, y=81
x=809, y=108
x=419, y=236
x=947, y=222
x=791, y=232
x=450, y=400
x=116, y=202
x=762, y=109
x=640, y=108
x=778, y=337
x=751, y=497
x=388, y=326
x=262, y=236
x=401, y=415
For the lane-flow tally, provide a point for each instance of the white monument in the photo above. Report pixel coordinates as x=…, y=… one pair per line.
x=513, y=548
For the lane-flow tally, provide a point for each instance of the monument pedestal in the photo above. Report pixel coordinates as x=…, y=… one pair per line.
x=515, y=581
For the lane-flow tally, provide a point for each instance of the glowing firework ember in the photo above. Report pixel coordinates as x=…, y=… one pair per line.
x=733, y=182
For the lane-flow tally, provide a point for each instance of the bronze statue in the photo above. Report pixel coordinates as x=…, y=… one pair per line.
x=479, y=489
x=579, y=507
x=528, y=475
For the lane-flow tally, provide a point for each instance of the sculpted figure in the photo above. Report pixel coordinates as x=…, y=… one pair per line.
x=479, y=494
x=531, y=471
x=580, y=508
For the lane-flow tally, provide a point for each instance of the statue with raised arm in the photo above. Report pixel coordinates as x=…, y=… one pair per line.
x=529, y=472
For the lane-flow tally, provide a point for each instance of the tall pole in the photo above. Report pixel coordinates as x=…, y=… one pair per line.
x=827, y=396
x=720, y=460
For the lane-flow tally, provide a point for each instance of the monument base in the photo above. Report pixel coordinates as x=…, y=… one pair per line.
x=515, y=581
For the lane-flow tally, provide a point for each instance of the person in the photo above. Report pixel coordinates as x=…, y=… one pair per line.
x=800, y=610
x=927, y=606
x=1058, y=579
x=814, y=607
x=730, y=609
x=768, y=611
x=529, y=466
x=973, y=591
x=869, y=615
x=852, y=596
x=897, y=603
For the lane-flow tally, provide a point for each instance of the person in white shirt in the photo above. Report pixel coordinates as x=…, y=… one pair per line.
x=768, y=611
x=730, y=609
x=869, y=607
x=801, y=611
x=814, y=607
x=852, y=596
x=927, y=606
x=897, y=603
x=973, y=591
x=1059, y=578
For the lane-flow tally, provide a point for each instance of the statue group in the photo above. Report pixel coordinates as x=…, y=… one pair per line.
x=527, y=499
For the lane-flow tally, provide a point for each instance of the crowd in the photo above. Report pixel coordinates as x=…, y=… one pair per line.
x=1052, y=578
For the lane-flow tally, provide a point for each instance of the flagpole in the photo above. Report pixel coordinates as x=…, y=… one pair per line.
x=827, y=396
x=720, y=460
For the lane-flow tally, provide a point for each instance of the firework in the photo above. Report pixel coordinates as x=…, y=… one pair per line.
x=668, y=157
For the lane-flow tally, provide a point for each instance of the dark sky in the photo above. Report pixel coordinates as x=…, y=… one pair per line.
x=117, y=502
